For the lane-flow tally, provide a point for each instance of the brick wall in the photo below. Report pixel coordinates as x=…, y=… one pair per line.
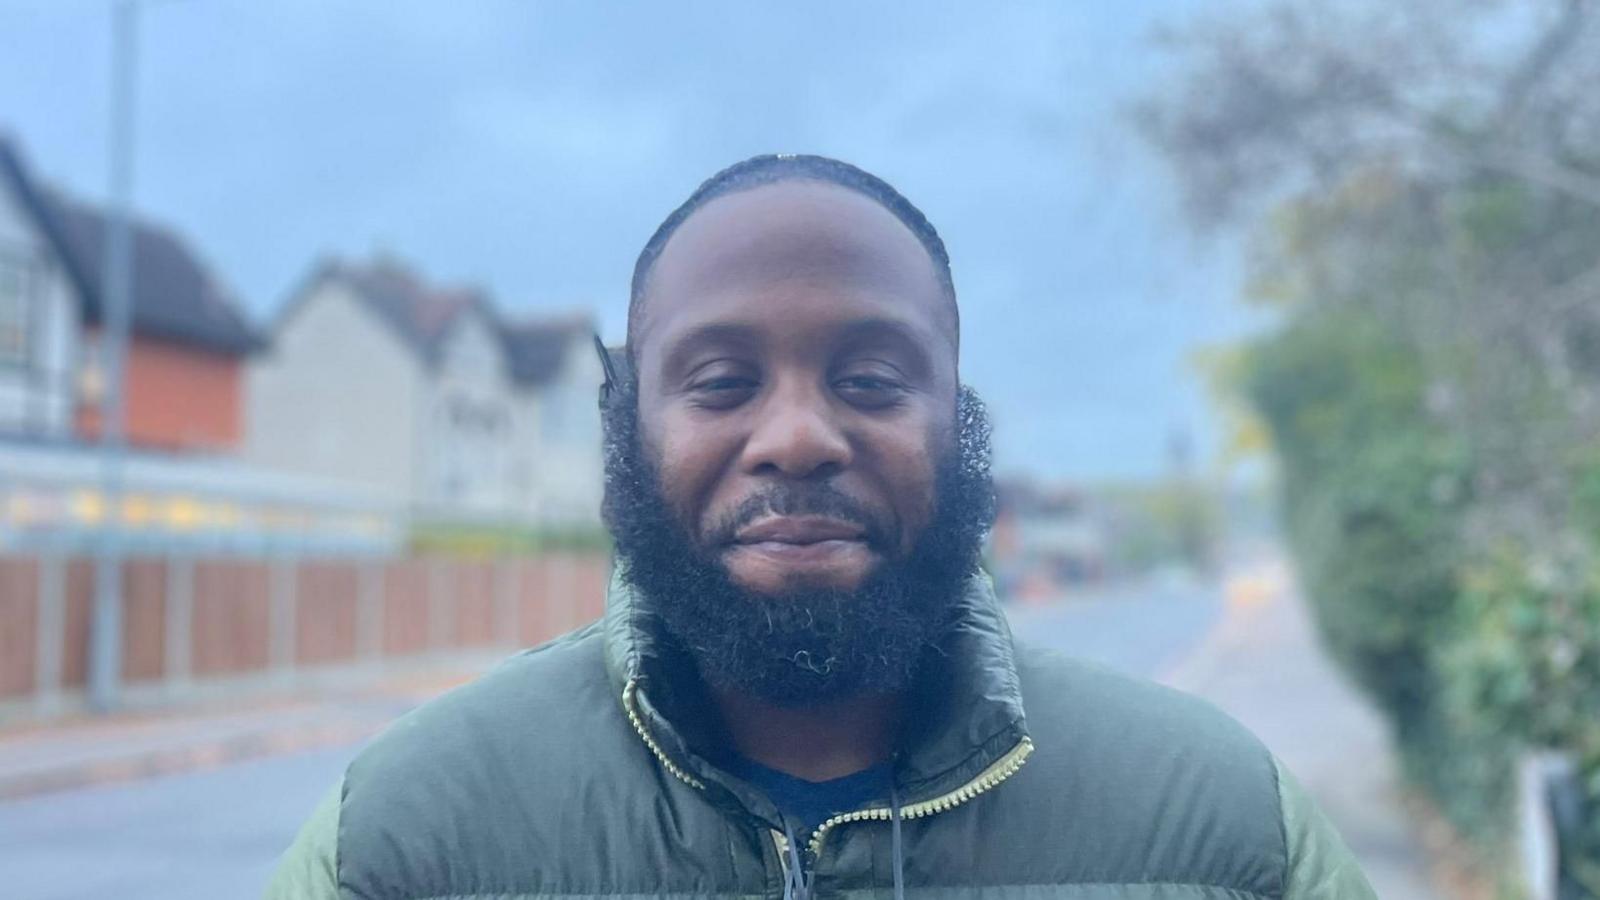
x=179, y=397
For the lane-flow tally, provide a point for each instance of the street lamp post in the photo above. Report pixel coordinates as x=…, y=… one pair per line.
x=116, y=282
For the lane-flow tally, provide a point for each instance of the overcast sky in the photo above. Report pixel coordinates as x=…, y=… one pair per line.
x=531, y=147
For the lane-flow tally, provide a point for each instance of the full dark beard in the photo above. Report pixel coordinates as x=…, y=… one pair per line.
x=807, y=646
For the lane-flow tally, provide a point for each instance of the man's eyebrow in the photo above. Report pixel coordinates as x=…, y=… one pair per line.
x=852, y=333
x=894, y=331
x=710, y=333
x=878, y=325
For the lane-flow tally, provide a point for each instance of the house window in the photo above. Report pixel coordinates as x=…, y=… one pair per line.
x=15, y=331
x=92, y=373
x=478, y=418
x=566, y=414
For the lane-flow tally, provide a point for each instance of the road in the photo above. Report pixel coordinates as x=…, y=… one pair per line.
x=211, y=834
x=1141, y=629
x=216, y=833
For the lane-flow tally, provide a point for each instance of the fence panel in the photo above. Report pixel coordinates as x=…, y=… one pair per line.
x=232, y=617
x=472, y=594
x=19, y=627
x=405, y=608
x=191, y=622
x=327, y=596
x=590, y=585
x=534, y=625
x=76, y=614
x=144, y=605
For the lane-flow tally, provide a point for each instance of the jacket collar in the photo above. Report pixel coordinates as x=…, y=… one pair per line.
x=966, y=709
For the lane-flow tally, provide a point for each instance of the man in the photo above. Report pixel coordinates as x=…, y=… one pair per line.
x=803, y=685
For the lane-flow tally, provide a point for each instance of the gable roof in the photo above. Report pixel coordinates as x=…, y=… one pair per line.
x=419, y=314
x=174, y=296
x=537, y=349
x=422, y=316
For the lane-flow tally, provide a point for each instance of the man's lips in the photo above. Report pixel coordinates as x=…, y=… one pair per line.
x=798, y=530
x=772, y=550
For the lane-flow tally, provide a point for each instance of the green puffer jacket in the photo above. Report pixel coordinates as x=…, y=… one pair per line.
x=570, y=772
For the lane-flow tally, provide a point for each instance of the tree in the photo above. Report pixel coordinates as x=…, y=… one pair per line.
x=1419, y=184
x=1464, y=135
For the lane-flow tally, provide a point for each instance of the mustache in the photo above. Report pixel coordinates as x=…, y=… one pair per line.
x=878, y=530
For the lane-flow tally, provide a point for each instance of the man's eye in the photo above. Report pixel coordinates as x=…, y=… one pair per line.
x=722, y=392
x=869, y=390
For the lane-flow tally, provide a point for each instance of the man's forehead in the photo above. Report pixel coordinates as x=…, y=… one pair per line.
x=790, y=241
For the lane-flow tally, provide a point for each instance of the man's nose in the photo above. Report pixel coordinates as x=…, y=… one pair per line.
x=797, y=434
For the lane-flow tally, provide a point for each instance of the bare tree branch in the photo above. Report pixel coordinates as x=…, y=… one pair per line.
x=1301, y=98
x=1544, y=172
x=1558, y=40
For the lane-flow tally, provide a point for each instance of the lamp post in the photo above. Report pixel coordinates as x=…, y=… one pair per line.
x=116, y=282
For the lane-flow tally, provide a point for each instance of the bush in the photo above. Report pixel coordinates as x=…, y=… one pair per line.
x=1523, y=663
x=1371, y=497
x=1471, y=657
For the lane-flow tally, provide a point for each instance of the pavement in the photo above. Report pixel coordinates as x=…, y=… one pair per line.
x=87, y=751
x=1263, y=665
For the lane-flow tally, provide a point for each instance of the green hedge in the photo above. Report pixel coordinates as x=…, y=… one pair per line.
x=504, y=540
x=1523, y=665
x=1472, y=657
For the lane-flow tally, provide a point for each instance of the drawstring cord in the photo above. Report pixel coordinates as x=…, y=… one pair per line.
x=899, y=858
x=797, y=886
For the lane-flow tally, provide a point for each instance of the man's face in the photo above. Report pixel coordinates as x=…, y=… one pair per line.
x=794, y=483
x=796, y=359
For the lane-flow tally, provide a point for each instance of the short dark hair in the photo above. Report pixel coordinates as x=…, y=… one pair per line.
x=772, y=168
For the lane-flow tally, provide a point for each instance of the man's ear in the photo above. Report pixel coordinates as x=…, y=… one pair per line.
x=609, y=367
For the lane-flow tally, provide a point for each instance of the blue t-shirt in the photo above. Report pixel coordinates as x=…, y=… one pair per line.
x=810, y=803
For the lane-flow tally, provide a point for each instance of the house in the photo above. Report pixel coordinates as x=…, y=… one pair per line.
x=557, y=376
x=183, y=483
x=377, y=378
x=188, y=339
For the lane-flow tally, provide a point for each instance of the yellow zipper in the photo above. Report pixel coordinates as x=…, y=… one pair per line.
x=631, y=705
x=782, y=843
x=1003, y=768
x=999, y=771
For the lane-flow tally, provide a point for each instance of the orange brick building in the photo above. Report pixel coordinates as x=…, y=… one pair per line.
x=179, y=397
x=188, y=340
